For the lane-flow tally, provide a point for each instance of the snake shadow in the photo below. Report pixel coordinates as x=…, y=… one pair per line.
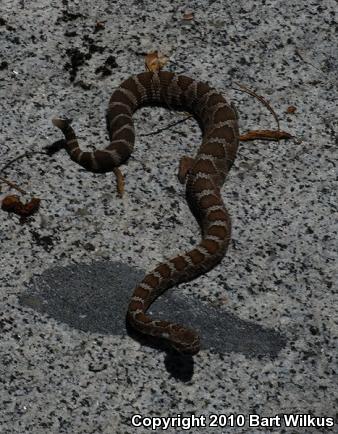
x=94, y=298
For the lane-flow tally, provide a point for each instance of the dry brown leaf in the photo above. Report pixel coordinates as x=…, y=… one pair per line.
x=155, y=61
x=188, y=16
x=99, y=25
x=291, y=109
x=265, y=135
x=13, y=204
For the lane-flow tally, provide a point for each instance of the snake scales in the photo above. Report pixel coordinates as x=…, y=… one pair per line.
x=204, y=176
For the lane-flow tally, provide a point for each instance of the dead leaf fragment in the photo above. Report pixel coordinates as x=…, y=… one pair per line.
x=13, y=204
x=291, y=109
x=188, y=16
x=99, y=25
x=155, y=61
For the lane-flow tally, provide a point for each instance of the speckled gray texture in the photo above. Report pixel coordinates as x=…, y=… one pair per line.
x=280, y=272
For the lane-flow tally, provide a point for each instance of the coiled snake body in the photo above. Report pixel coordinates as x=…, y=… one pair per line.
x=204, y=176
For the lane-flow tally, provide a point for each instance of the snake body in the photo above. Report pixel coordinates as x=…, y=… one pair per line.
x=204, y=176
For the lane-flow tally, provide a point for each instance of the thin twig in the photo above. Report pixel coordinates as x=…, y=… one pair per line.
x=119, y=181
x=152, y=133
x=299, y=54
x=26, y=154
x=261, y=99
x=264, y=135
x=11, y=184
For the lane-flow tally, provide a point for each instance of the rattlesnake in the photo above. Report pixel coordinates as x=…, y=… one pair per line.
x=203, y=175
